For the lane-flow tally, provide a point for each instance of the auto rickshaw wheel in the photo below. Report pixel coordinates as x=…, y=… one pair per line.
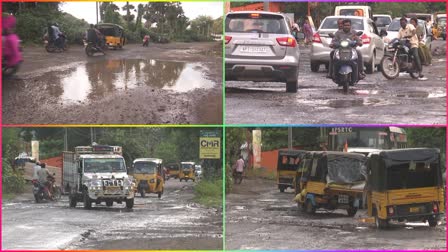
x=309, y=208
x=282, y=188
x=159, y=194
x=432, y=221
x=380, y=223
x=352, y=211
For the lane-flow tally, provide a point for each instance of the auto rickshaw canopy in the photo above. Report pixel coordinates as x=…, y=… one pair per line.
x=109, y=29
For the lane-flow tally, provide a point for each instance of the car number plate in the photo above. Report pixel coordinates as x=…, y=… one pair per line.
x=112, y=190
x=253, y=49
x=343, y=199
x=414, y=209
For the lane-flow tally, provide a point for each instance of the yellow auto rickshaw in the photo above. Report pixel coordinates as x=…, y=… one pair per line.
x=173, y=170
x=287, y=164
x=114, y=35
x=187, y=171
x=405, y=185
x=148, y=175
x=332, y=180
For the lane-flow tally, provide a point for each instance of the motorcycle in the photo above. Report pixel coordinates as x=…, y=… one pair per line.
x=52, y=48
x=91, y=49
x=42, y=192
x=345, y=66
x=398, y=59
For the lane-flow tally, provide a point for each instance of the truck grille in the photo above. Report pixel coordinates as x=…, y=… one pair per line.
x=113, y=182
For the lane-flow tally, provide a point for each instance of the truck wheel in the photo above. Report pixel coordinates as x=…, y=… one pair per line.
x=432, y=222
x=129, y=203
x=109, y=203
x=352, y=211
x=73, y=201
x=310, y=209
x=87, y=201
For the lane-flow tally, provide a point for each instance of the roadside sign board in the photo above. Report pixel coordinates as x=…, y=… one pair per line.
x=210, y=144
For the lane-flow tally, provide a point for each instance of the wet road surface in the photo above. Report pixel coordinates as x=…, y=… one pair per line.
x=173, y=222
x=258, y=216
x=373, y=100
x=136, y=85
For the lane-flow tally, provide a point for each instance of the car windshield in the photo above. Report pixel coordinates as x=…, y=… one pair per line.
x=173, y=167
x=382, y=21
x=351, y=12
x=255, y=23
x=332, y=23
x=412, y=175
x=104, y=165
x=441, y=21
x=145, y=167
x=394, y=26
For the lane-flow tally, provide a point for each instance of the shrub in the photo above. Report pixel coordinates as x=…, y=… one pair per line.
x=209, y=192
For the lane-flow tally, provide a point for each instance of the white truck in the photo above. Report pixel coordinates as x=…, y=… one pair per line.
x=95, y=174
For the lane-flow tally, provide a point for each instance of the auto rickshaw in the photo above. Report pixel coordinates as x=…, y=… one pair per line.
x=173, y=169
x=148, y=175
x=405, y=185
x=332, y=180
x=114, y=35
x=287, y=164
x=187, y=171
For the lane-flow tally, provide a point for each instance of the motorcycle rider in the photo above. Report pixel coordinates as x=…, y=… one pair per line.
x=11, y=43
x=409, y=32
x=43, y=175
x=58, y=36
x=348, y=33
x=330, y=64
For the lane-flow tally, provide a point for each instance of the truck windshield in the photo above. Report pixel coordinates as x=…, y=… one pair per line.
x=104, y=165
x=412, y=175
x=145, y=167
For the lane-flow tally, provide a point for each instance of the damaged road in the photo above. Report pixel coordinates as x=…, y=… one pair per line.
x=176, y=83
x=174, y=222
x=258, y=216
x=374, y=100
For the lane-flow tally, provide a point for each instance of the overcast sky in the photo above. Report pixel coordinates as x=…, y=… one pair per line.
x=86, y=10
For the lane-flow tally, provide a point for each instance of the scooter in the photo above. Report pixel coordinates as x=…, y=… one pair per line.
x=52, y=48
x=398, y=60
x=91, y=49
x=345, y=67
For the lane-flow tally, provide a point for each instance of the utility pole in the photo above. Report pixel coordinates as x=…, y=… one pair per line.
x=289, y=138
x=96, y=12
x=65, y=139
x=266, y=6
x=91, y=135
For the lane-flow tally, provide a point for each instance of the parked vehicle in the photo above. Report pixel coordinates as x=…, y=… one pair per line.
x=405, y=185
x=398, y=60
x=260, y=47
x=372, y=49
x=96, y=174
x=148, y=175
x=332, y=180
x=382, y=21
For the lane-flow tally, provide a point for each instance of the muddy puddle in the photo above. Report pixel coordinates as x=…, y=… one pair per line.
x=95, y=80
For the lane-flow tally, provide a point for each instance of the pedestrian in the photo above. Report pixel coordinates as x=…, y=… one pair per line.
x=308, y=32
x=239, y=166
x=146, y=40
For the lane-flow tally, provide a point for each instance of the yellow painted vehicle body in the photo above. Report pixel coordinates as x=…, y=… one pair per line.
x=173, y=170
x=287, y=166
x=405, y=185
x=331, y=180
x=148, y=176
x=114, y=35
x=187, y=171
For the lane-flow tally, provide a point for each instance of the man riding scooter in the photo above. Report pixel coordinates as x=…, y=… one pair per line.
x=346, y=32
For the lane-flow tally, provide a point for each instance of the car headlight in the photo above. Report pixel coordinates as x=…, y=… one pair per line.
x=344, y=43
x=95, y=183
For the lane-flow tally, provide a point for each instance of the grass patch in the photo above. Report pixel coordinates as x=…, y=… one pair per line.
x=8, y=196
x=209, y=193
